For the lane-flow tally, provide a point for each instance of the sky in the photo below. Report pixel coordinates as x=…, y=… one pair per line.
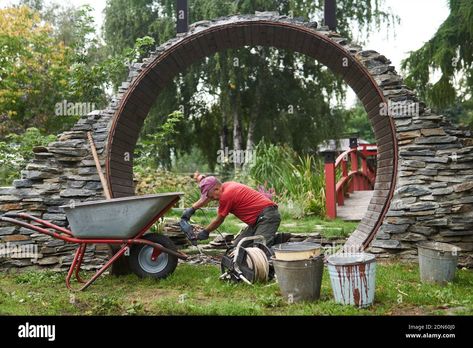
x=420, y=19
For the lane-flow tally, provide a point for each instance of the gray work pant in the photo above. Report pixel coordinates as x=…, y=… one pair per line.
x=266, y=225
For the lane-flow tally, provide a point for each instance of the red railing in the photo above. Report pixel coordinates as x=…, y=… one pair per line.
x=350, y=180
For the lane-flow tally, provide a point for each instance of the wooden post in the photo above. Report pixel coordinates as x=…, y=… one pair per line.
x=182, y=16
x=99, y=167
x=330, y=195
x=354, y=163
x=350, y=184
x=341, y=192
x=330, y=14
x=364, y=170
x=340, y=196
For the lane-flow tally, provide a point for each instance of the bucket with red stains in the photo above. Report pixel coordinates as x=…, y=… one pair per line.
x=353, y=278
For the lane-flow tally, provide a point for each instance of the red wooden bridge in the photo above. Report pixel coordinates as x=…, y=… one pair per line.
x=349, y=180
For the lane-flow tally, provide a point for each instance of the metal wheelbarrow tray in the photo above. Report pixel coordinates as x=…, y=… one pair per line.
x=122, y=221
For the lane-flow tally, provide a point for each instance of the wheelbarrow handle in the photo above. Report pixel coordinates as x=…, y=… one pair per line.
x=47, y=224
x=39, y=229
x=19, y=215
x=12, y=215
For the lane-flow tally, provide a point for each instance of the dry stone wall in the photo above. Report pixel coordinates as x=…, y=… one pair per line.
x=61, y=173
x=434, y=193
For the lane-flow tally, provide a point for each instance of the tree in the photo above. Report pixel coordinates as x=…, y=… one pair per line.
x=356, y=122
x=126, y=21
x=33, y=69
x=89, y=72
x=450, y=52
x=248, y=83
x=48, y=58
x=240, y=91
x=155, y=147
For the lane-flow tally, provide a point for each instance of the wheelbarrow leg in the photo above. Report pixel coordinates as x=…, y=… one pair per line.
x=107, y=265
x=79, y=263
x=78, y=256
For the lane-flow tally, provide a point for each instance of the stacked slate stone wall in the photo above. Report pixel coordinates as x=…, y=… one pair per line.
x=61, y=173
x=434, y=192
x=433, y=199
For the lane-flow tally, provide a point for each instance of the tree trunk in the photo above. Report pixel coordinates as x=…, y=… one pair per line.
x=237, y=136
x=257, y=105
x=223, y=101
x=250, y=140
x=223, y=133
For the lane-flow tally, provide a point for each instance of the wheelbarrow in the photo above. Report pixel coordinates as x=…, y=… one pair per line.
x=122, y=221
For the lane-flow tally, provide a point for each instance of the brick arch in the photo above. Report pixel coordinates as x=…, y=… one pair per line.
x=207, y=38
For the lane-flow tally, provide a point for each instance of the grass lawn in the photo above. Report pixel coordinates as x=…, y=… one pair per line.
x=196, y=290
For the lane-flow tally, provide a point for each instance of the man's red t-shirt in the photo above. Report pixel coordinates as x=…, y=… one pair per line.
x=242, y=201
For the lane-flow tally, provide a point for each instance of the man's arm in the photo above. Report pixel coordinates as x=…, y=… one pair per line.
x=215, y=223
x=204, y=234
x=187, y=214
x=202, y=202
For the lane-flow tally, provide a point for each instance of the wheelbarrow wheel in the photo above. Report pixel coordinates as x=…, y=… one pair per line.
x=142, y=264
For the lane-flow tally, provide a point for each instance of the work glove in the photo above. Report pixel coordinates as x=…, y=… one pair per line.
x=202, y=235
x=188, y=213
x=188, y=230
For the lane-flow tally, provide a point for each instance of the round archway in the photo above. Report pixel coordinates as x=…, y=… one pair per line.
x=209, y=37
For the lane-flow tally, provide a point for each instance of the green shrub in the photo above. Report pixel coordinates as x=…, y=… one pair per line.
x=298, y=180
x=17, y=150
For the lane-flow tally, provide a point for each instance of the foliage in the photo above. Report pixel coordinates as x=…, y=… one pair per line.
x=37, y=278
x=369, y=15
x=450, y=52
x=298, y=180
x=356, y=122
x=51, y=55
x=116, y=66
x=33, y=70
x=190, y=162
x=125, y=21
x=92, y=70
x=270, y=161
x=236, y=97
x=149, y=181
x=17, y=150
x=75, y=28
x=153, y=150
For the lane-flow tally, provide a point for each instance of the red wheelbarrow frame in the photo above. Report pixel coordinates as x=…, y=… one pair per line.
x=67, y=236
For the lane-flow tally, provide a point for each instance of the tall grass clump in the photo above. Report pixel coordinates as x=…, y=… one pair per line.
x=298, y=180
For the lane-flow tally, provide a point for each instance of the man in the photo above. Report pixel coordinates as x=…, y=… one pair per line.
x=252, y=207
